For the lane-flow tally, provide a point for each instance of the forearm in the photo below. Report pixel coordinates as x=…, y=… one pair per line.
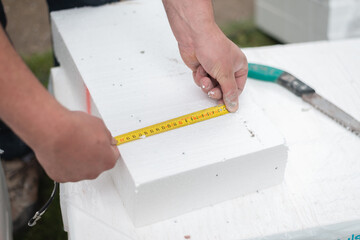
x=219, y=67
x=25, y=105
x=55, y=134
x=190, y=20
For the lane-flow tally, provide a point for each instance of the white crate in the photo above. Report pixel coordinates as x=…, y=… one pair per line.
x=308, y=20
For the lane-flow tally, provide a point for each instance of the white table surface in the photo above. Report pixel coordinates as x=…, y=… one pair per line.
x=320, y=197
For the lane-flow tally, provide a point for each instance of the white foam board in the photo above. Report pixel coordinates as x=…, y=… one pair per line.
x=319, y=198
x=308, y=20
x=135, y=80
x=72, y=98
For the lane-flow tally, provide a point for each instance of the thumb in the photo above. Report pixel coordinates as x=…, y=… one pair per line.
x=115, y=148
x=116, y=152
x=230, y=92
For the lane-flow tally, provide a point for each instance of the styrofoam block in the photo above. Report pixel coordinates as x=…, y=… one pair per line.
x=191, y=178
x=266, y=11
x=134, y=83
x=277, y=18
x=319, y=198
x=73, y=97
x=308, y=20
x=344, y=19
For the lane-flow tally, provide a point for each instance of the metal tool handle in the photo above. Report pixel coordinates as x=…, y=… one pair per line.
x=294, y=85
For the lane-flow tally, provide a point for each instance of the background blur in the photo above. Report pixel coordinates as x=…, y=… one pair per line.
x=29, y=30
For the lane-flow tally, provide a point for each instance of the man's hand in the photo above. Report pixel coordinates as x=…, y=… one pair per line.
x=219, y=66
x=71, y=146
x=80, y=148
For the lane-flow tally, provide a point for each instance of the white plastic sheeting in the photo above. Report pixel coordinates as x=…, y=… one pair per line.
x=320, y=198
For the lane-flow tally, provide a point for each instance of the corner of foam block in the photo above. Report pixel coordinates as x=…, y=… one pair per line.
x=125, y=186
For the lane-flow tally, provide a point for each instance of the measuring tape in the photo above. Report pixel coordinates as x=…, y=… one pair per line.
x=172, y=124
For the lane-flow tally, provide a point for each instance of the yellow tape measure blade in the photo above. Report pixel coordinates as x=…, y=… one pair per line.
x=171, y=124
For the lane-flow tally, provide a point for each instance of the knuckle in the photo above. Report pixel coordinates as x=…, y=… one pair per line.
x=62, y=179
x=110, y=164
x=231, y=93
x=103, y=140
x=56, y=178
x=92, y=175
x=241, y=88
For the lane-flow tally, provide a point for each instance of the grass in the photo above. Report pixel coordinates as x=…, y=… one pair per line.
x=40, y=65
x=244, y=34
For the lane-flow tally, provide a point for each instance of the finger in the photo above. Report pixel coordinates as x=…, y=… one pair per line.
x=108, y=133
x=214, y=82
x=240, y=78
x=230, y=92
x=115, y=149
x=110, y=160
x=206, y=84
x=114, y=142
x=116, y=153
x=215, y=93
x=200, y=73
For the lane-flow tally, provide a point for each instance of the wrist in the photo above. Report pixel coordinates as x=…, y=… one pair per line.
x=190, y=20
x=208, y=32
x=200, y=34
x=49, y=125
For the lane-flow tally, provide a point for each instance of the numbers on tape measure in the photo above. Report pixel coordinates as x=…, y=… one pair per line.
x=172, y=124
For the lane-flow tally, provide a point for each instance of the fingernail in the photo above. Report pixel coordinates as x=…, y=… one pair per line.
x=231, y=103
x=232, y=106
x=204, y=84
x=114, y=141
x=211, y=94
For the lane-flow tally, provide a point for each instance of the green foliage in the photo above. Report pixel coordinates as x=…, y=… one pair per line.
x=245, y=34
x=40, y=65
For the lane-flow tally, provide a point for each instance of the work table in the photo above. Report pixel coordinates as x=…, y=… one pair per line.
x=320, y=195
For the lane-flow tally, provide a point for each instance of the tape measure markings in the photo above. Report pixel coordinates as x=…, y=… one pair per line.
x=171, y=124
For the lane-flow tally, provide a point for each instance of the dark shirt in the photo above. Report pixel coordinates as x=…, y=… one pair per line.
x=55, y=5
x=2, y=16
x=12, y=145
